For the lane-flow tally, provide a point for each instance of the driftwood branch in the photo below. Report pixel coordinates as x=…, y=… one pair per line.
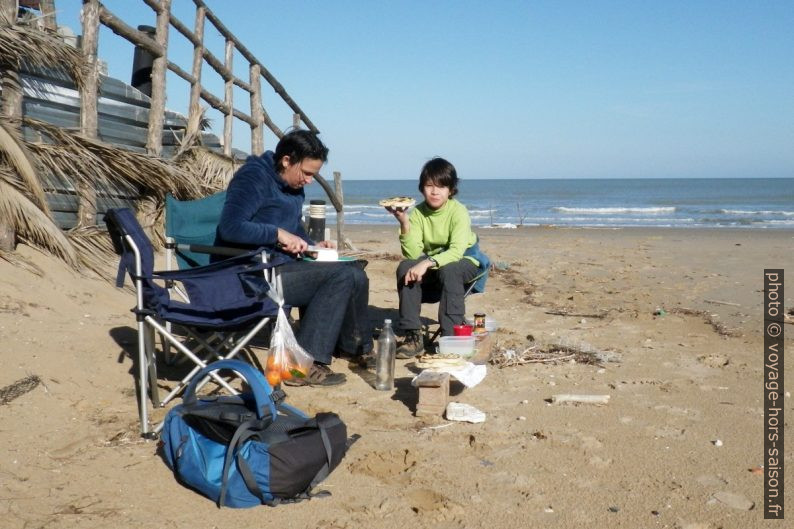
x=720, y=327
x=717, y=302
x=564, y=398
x=563, y=312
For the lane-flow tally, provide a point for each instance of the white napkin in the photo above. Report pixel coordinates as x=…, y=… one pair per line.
x=468, y=374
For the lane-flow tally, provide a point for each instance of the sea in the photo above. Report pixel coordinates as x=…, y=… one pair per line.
x=754, y=203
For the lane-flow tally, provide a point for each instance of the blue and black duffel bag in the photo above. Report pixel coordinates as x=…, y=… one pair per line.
x=250, y=449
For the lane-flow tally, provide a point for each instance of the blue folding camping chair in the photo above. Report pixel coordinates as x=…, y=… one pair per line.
x=226, y=304
x=190, y=230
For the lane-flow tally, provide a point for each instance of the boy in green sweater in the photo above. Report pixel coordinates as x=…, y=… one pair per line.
x=440, y=252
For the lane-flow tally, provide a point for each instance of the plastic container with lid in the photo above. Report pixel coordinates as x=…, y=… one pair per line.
x=462, y=346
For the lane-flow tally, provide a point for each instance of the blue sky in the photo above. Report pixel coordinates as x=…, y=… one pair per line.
x=512, y=89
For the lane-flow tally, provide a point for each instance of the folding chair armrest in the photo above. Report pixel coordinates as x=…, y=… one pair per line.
x=201, y=248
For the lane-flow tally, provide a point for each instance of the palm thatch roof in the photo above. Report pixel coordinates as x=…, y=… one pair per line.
x=26, y=44
x=86, y=164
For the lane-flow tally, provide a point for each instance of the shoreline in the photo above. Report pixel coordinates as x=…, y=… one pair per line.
x=730, y=229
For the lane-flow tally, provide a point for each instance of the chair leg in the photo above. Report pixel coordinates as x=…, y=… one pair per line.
x=143, y=412
x=432, y=338
x=151, y=364
x=168, y=357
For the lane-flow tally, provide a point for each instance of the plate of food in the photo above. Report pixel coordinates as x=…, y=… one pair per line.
x=397, y=202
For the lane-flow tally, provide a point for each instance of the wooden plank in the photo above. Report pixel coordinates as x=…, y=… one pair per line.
x=213, y=61
x=194, y=112
x=88, y=103
x=136, y=37
x=12, y=106
x=157, y=106
x=257, y=133
x=228, y=97
x=217, y=104
x=269, y=122
x=340, y=213
x=328, y=191
x=12, y=87
x=48, y=15
x=253, y=60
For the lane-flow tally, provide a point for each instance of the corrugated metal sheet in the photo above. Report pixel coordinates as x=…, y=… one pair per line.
x=123, y=121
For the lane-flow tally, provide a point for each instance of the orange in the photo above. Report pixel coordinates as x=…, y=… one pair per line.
x=271, y=362
x=273, y=378
x=286, y=374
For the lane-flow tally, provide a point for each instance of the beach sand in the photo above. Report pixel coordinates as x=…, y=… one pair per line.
x=686, y=377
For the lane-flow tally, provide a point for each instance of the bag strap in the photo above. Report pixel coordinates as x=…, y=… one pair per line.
x=256, y=381
x=244, y=432
x=323, y=423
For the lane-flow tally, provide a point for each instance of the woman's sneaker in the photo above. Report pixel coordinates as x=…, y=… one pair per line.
x=413, y=345
x=319, y=375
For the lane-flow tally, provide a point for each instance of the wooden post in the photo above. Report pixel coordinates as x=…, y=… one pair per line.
x=48, y=15
x=194, y=112
x=340, y=213
x=12, y=87
x=228, y=118
x=257, y=113
x=12, y=106
x=296, y=121
x=154, y=140
x=86, y=210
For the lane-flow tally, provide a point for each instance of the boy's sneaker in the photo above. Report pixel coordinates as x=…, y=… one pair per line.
x=413, y=345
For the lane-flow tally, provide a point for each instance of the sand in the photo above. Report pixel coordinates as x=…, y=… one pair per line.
x=688, y=376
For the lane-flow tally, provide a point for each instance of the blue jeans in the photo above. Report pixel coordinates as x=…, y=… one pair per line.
x=333, y=298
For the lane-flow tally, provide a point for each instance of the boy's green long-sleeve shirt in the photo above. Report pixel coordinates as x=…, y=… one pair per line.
x=443, y=234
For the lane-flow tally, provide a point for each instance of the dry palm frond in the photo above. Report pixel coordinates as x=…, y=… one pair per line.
x=32, y=224
x=25, y=44
x=25, y=179
x=211, y=170
x=88, y=163
x=197, y=121
x=17, y=260
x=93, y=248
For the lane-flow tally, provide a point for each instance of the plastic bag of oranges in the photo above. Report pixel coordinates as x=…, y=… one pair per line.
x=287, y=359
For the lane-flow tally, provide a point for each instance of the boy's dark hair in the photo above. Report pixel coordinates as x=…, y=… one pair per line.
x=299, y=145
x=439, y=172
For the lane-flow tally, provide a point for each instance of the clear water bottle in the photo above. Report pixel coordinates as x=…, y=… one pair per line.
x=384, y=366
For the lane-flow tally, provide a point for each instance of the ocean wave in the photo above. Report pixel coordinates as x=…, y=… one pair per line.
x=748, y=212
x=614, y=211
x=606, y=219
x=383, y=215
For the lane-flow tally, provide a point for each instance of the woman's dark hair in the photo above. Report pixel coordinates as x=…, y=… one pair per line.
x=299, y=145
x=439, y=172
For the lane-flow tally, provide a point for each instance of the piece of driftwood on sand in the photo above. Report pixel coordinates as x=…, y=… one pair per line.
x=535, y=353
x=566, y=398
x=711, y=319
